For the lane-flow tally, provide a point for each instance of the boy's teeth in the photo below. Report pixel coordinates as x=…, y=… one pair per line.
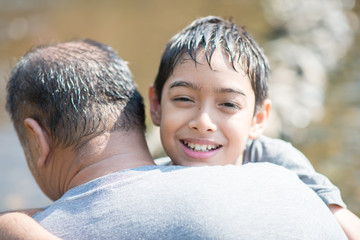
x=200, y=147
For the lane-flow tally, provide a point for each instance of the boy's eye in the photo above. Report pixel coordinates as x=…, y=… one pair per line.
x=231, y=105
x=182, y=99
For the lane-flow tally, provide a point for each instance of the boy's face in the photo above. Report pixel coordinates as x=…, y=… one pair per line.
x=205, y=116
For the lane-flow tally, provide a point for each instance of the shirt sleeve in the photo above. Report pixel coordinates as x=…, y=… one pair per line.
x=279, y=152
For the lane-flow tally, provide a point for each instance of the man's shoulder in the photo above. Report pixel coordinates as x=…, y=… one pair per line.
x=248, y=172
x=224, y=201
x=267, y=170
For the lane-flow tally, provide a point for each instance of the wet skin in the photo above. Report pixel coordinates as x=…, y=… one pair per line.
x=206, y=115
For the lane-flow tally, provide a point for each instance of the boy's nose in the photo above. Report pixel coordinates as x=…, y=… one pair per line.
x=203, y=123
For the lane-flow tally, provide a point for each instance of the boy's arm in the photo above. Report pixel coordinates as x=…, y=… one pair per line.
x=349, y=222
x=30, y=212
x=19, y=225
x=279, y=152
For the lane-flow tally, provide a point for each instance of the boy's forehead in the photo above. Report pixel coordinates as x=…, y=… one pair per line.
x=218, y=74
x=213, y=60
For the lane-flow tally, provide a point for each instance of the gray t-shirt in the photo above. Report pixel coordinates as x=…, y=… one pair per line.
x=253, y=201
x=279, y=152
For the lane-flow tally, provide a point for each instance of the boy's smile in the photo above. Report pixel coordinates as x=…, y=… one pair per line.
x=200, y=149
x=206, y=115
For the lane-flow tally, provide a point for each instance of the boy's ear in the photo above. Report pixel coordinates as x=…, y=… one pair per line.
x=155, y=108
x=38, y=140
x=260, y=120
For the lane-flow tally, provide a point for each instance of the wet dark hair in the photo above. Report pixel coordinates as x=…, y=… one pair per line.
x=74, y=90
x=207, y=34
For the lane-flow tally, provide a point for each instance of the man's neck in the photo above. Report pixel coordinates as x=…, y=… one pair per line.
x=106, y=154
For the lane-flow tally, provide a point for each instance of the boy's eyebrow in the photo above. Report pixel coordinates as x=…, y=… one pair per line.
x=230, y=90
x=184, y=84
x=191, y=85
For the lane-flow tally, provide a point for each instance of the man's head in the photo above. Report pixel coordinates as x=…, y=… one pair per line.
x=62, y=96
x=210, y=94
x=74, y=90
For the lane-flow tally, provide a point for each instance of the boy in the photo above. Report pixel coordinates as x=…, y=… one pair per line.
x=210, y=99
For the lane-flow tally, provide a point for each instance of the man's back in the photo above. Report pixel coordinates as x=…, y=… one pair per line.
x=254, y=201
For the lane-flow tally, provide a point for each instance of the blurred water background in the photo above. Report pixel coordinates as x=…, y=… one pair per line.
x=313, y=47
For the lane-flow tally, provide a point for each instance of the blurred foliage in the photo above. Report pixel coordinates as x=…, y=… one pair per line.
x=139, y=30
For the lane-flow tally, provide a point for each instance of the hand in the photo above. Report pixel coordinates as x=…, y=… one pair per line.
x=349, y=222
x=17, y=225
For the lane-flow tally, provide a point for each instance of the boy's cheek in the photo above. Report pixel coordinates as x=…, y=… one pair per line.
x=171, y=113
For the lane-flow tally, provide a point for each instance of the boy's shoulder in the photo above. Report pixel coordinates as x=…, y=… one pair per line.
x=278, y=151
x=267, y=142
x=269, y=146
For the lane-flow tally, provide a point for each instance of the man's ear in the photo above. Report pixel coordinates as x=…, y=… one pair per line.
x=260, y=119
x=155, y=108
x=38, y=140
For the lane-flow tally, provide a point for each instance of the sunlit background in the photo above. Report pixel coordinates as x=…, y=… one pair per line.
x=313, y=47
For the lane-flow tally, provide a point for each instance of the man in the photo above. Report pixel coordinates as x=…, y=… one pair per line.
x=80, y=121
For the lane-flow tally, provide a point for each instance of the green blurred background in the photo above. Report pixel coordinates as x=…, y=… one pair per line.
x=328, y=134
